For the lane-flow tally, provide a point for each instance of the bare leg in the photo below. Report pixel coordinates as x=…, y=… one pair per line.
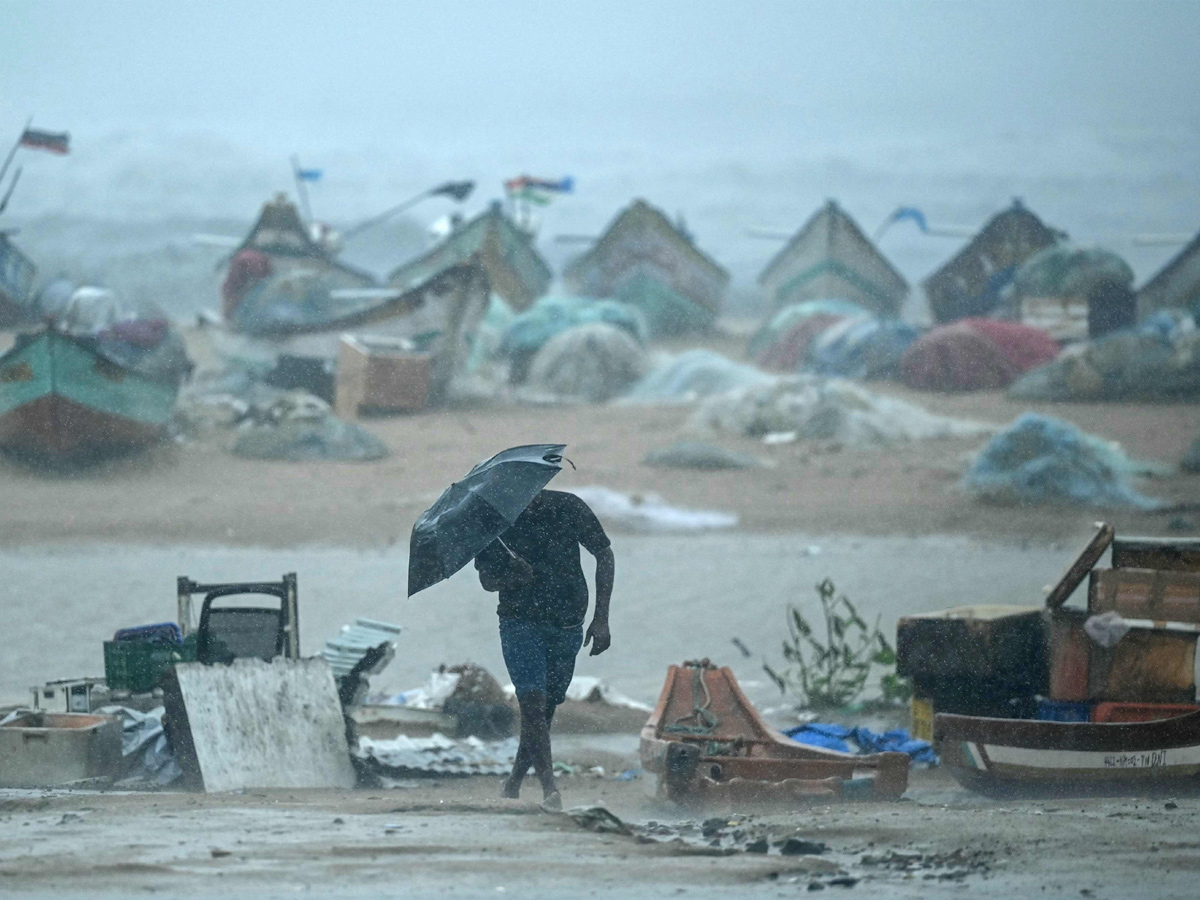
x=512, y=784
x=534, y=748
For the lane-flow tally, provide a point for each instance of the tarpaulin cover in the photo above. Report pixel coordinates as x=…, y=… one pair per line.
x=1065, y=270
x=552, y=315
x=667, y=312
x=862, y=348
x=1040, y=459
x=1022, y=345
x=955, y=358
x=788, y=351
x=135, y=336
x=789, y=315
x=862, y=740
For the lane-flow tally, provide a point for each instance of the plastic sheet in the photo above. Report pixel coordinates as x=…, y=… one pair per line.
x=134, y=336
x=862, y=740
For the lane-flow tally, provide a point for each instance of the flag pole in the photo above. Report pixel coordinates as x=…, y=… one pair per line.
x=12, y=186
x=301, y=189
x=386, y=214
x=13, y=152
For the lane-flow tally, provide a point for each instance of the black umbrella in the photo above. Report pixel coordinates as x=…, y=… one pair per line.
x=473, y=512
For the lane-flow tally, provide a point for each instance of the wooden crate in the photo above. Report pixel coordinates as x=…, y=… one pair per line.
x=1002, y=646
x=1161, y=595
x=1144, y=667
x=379, y=375
x=1173, y=554
x=1069, y=655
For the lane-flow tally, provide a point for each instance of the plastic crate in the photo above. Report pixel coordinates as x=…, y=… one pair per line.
x=136, y=666
x=1140, y=712
x=1063, y=711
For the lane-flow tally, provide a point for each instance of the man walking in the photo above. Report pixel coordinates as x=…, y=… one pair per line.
x=543, y=602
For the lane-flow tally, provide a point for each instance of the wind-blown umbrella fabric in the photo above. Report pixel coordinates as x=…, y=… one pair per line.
x=473, y=512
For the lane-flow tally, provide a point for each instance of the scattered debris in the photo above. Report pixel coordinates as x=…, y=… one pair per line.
x=347, y=649
x=598, y=819
x=953, y=866
x=404, y=756
x=795, y=846
x=147, y=754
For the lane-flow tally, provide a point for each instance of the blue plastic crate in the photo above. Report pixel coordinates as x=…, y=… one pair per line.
x=1063, y=711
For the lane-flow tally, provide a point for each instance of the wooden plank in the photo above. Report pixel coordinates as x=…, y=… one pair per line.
x=1083, y=564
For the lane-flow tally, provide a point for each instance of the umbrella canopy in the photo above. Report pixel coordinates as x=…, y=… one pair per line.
x=473, y=512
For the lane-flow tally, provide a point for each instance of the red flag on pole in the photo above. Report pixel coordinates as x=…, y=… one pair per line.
x=34, y=139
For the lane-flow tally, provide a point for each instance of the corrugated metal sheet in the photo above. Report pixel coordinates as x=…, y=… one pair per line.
x=344, y=651
x=438, y=755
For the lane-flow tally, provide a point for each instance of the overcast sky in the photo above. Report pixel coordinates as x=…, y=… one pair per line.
x=612, y=71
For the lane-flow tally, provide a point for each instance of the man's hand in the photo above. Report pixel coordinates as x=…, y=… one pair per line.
x=520, y=572
x=598, y=636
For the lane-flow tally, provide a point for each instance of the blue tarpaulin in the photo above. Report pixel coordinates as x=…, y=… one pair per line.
x=862, y=740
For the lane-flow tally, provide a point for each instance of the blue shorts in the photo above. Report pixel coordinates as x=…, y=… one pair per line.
x=540, y=656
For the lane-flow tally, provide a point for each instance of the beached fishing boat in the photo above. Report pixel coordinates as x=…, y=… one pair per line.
x=1131, y=652
x=1019, y=756
x=706, y=744
x=16, y=283
x=63, y=396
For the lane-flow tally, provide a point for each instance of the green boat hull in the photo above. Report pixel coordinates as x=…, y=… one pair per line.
x=60, y=398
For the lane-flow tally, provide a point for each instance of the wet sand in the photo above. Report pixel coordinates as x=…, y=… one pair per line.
x=195, y=493
x=87, y=553
x=453, y=839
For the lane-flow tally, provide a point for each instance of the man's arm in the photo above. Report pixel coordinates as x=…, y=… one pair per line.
x=597, y=632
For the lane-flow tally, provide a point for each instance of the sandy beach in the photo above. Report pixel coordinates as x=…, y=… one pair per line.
x=87, y=552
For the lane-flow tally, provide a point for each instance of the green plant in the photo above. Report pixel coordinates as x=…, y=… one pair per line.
x=831, y=671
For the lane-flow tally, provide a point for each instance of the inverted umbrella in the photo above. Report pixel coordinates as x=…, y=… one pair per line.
x=473, y=512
